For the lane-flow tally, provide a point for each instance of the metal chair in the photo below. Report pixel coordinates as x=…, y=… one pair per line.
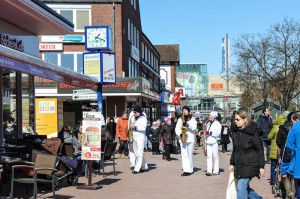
x=44, y=165
x=108, y=154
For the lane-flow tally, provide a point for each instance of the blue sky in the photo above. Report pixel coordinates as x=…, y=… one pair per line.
x=198, y=26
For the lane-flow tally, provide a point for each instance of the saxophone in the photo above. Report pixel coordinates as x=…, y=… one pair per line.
x=129, y=133
x=183, y=131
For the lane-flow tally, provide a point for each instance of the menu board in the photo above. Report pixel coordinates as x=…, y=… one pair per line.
x=91, y=136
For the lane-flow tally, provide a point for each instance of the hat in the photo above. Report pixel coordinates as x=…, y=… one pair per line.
x=214, y=113
x=138, y=109
x=186, y=108
x=167, y=119
x=154, y=123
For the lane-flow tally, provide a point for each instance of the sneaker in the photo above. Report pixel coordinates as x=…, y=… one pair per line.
x=134, y=172
x=215, y=174
x=132, y=168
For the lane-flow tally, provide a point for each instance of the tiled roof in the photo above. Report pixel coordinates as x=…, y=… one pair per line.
x=168, y=52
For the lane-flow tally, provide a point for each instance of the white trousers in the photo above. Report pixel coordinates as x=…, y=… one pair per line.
x=187, y=150
x=131, y=154
x=138, y=149
x=213, y=156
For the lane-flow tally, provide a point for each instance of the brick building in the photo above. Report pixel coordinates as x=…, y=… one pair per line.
x=137, y=60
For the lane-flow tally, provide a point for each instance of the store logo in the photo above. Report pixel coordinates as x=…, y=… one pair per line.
x=12, y=43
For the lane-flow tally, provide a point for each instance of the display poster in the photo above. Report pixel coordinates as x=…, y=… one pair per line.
x=91, y=136
x=91, y=65
x=46, y=116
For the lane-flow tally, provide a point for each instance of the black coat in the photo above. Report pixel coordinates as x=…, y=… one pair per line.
x=111, y=127
x=154, y=135
x=225, y=137
x=264, y=125
x=282, y=134
x=248, y=154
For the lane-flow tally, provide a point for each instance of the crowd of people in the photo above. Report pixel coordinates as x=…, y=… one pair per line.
x=255, y=144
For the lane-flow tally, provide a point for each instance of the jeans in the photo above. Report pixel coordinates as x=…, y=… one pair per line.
x=244, y=191
x=273, y=170
x=267, y=145
x=297, y=182
x=224, y=147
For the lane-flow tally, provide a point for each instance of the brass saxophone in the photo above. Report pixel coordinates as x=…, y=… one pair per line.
x=183, y=132
x=129, y=133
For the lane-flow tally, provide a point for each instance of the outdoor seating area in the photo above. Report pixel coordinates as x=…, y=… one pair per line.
x=49, y=167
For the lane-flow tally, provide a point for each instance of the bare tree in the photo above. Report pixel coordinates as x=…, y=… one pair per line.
x=270, y=61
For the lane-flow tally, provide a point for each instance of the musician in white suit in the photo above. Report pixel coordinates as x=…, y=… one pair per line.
x=187, y=147
x=138, y=124
x=213, y=133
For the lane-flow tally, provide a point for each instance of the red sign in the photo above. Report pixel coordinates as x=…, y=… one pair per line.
x=176, y=98
x=216, y=86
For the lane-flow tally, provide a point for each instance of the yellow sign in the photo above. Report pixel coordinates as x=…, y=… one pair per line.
x=46, y=116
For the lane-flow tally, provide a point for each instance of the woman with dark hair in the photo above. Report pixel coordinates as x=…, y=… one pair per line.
x=247, y=158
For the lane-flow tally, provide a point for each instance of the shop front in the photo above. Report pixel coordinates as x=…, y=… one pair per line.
x=20, y=63
x=117, y=98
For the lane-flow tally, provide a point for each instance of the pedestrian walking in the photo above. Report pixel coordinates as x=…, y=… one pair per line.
x=225, y=136
x=247, y=158
x=290, y=166
x=185, y=129
x=121, y=128
x=155, y=138
x=167, y=137
x=213, y=133
x=264, y=125
x=138, y=124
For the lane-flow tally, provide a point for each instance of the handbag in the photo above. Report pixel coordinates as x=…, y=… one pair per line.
x=231, y=192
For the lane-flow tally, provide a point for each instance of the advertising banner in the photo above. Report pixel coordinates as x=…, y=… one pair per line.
x=46, y=116
x=91, y=136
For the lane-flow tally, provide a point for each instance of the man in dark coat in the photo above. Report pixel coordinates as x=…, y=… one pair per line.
x=264, y=125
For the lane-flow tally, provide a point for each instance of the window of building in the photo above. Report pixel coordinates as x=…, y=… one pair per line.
x=79, y=15
x=129, y=29
x=28, y=125
x=69, y=60
x=137, y=39
x=143, y=50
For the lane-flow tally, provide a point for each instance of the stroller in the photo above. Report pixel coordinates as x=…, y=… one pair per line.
x=66, y=166
x=278, y=186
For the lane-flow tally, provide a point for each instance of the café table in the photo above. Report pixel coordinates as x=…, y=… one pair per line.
x=7, y=162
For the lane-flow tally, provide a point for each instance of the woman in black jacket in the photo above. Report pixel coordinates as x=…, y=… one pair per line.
x=247, y=159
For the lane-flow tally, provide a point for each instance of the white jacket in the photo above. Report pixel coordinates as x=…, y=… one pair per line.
x=190, y=133
x=214, y=129
x=139, y=125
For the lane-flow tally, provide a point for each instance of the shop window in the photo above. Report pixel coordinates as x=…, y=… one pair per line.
x=9, y=106
x=28, y=104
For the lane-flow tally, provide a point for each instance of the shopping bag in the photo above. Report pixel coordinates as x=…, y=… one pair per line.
x=231, y=188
